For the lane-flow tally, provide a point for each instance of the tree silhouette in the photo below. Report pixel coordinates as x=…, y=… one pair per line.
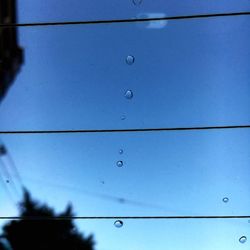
x=44, y=234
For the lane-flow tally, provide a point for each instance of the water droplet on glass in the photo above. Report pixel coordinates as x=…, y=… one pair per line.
x=129, y=94
x=121, y=200
x=137, y=2
x=7, y=181
x=118, y=223
x=130, y=60
x=119, y=164
x=243, y=239
x=225, y=199
x=123, y=117
x=121, y=151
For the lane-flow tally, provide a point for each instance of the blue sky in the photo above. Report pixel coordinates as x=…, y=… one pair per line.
x=72, y=10
x=186, y=73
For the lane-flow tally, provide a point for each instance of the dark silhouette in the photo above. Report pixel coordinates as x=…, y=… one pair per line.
x=2, y=247
x=39, y=228
x=11, y=54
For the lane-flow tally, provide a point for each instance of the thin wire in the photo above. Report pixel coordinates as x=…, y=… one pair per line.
x=14, y=168
x=125, y=217
x=131, y=20
x=11, y=164
x=113, y=198
x=6, y=173
x=8, y=193
x=121, y=130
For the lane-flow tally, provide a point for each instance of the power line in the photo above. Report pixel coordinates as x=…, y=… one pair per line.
x=113, y=198
x=123, y=130
x=7, y=191
x=14, y=168
x=131, y=20
x=7, y=178
x=126, y=217
x=9, y=167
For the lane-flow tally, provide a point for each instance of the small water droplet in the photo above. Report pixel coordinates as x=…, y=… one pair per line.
x=118, y=223
x=225, y=200
x=121, y=200
x=243, y=239
x=137, y=2
x=7, y=181
x=123, y=117
x=129, y=94
x=130, y=59
x=121, y=151
x=119, y=164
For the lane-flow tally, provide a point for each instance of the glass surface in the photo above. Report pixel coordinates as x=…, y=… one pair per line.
x=186, y=73
x=152, y=234
x=75, y=10
x=164, y=173
x=181, y=73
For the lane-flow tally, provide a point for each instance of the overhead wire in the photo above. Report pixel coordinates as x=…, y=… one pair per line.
x=113, y=198
x=7, y=191
x=7, y=178
x=129, y=20
x=124, y=130
x=127, y=217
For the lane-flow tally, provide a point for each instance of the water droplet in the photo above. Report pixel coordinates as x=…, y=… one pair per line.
x=121, y=200
x=129, y=94
x=225, y=200
x=123, y=117
x=118, y=223
x=243, y=239
x=121, y=151
x=137, y=2
x=7, y=181
x=119, y=164
x=3, y=150
x=130, y=60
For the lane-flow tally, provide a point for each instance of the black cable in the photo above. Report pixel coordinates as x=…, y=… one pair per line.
x=131, y=20
x=121, y=130
x=124, y=217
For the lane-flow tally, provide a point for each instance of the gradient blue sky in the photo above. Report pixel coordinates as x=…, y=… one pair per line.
x=186, y=73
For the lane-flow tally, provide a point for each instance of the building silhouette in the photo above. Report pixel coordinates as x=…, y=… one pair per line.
x=11, y=55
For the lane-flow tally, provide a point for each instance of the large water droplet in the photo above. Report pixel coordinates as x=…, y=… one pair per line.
x=225, y=199
x=130, y=60
x=243, y=239
x=129, y=94
x=119, y=164
x=121, y=151
x=137, y=2
x=118, y=223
